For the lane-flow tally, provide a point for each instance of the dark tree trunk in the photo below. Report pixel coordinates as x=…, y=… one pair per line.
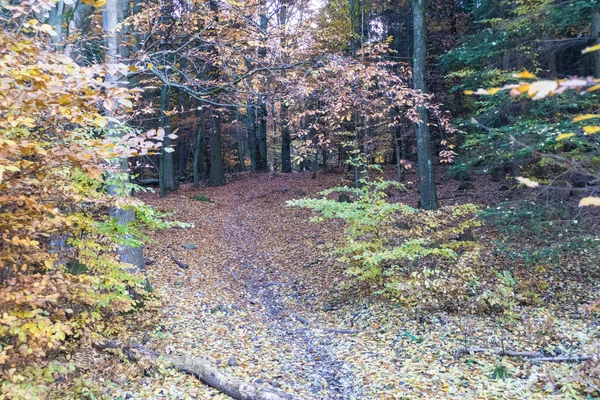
x=183, y=149
x=198, y=152
x=261, y=110
x=217, y=172
x=252, y=139
x=261, y=133
x=427, y=189
x=286, y=141
x=166, y=173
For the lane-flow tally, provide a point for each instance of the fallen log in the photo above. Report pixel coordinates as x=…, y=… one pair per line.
x=204, y=370
x=534, y=356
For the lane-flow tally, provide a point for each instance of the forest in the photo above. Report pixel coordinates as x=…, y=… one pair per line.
x=299, y=199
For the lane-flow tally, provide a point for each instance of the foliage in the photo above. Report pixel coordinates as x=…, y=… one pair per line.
x=416, y=256
x=61, y=282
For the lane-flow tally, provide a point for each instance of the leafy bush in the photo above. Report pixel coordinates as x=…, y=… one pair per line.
x=61, y=282
x=417, y=257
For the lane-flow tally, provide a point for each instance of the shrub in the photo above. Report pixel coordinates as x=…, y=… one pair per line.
x=417, y=257
x=61, y=282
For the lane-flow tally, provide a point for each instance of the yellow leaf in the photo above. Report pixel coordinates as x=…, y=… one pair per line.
x=469, y=92
x=563, y=136
x=493, y=91
x=590, y=49
x=95, y=3
x=525, y=75
x=527, y=182
x=591, y=130
x=593, y=88
x=48, y=29
x=150, y=66
x=100, y=121
x=580, y=118
x=589, y=201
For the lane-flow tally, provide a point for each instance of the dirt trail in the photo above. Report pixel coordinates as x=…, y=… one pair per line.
x=283, y=305
x=254, y=294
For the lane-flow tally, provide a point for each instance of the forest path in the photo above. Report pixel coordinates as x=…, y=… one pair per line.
x=260, y=275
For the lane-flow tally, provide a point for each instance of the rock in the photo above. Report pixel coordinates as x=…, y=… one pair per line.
x=189, y=246
x=236, y=307
x=504, y=188
x=320, y=242
x=232, y=362
x=259, y=381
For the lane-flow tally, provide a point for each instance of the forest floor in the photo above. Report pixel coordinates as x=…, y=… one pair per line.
x=266, y=299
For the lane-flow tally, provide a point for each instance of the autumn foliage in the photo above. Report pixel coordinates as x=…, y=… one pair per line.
x=60, y=278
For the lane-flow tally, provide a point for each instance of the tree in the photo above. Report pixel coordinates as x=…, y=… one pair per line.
x=112, y=23
x=425, y=171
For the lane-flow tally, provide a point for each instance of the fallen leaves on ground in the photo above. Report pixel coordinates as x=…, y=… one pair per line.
x=266, y=299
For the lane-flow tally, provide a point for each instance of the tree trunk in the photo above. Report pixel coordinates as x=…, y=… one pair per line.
x=286, y=142
x=167, y=181
x=261, y=133
x=182, y=145
x=217, y=173
x=427, y=190
x=252, y=140
x=56, y=19
x=127, y=254
x=198, y=152
x=261, y=110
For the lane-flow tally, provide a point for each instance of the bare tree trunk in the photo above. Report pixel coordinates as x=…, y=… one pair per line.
x=56, y=19
x=427, y=189
x=286, y=142
x=261, y=110
x=261, y=135
x=127, y=254
x=217, y=173
x=166, y=181
x=252, y=140
x=198, y=152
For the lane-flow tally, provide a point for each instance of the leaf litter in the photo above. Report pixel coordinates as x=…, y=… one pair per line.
x=266, y=299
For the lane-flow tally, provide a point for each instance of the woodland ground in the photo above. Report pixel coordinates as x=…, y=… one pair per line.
x=266, y=299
